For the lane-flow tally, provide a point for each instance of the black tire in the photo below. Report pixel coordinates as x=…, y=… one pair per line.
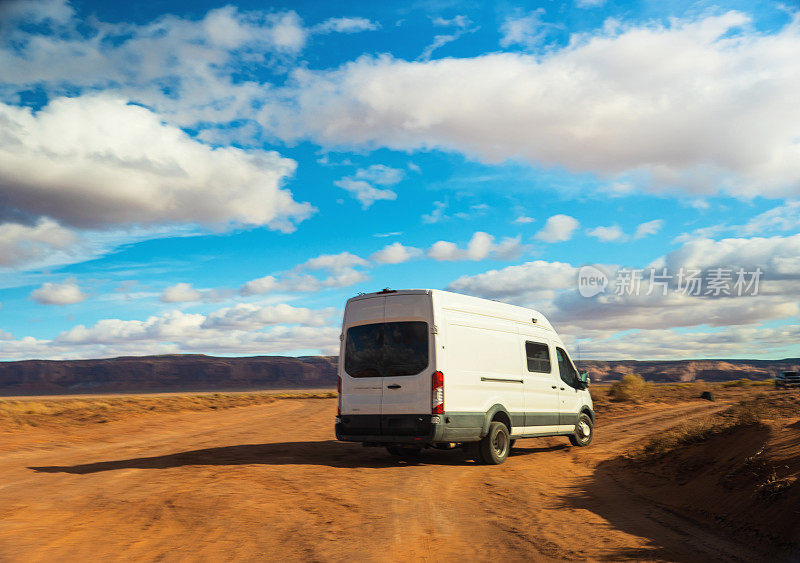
x=584, y=431
x=494, y=447
x=471, y=451
x=404, y=452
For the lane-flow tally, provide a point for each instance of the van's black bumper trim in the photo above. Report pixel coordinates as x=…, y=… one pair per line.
x=384, y=439
x=418, y=428
x=376, y=427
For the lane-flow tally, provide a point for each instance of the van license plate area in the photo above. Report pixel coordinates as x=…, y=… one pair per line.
x=385, y=425
x=406, y=425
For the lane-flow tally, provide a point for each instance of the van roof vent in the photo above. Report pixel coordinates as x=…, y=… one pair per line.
x=387, y=290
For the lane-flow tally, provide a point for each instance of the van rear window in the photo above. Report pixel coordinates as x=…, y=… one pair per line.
x=386, y=349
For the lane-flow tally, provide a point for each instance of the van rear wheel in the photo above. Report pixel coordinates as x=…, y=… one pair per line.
x=494, y=447
x=584, y=431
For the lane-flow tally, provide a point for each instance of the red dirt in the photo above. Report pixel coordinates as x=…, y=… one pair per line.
x=270, y=481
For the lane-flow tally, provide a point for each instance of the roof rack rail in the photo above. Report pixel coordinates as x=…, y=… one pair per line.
x=387, y=290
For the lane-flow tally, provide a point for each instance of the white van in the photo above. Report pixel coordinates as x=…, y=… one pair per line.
x=423, y=367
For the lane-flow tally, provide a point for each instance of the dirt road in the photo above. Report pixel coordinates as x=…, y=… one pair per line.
x=270, y=481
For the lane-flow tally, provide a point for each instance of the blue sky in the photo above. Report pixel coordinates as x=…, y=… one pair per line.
x=210, y=177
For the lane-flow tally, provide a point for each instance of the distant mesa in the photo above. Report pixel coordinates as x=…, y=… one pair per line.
x=190, y=372
x=196, y=372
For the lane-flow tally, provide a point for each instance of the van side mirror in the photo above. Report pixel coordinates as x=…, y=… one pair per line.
x=583, y=377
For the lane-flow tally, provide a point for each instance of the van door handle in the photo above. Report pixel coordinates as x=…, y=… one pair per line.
x=561, y=388
x=553, y=387
x=394, y=386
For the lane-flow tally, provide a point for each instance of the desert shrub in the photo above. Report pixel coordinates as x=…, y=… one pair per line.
x=631, y=387
x=748, y=383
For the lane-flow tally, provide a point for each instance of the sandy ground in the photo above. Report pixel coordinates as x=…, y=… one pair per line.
x=270, y=481
x=181, y=393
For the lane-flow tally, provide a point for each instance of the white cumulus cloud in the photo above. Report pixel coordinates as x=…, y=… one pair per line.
x=607, y=234
x=648, y=228
x=480, y=246
x=243, y=329
x=98, y=161
x=21, y=244
x=180, y=292
x=778, y=257
x=248, y=316
x=337, y=270
x=551, y=287
x=54, y=293
x=711, y=120
x=614, y=233
x=346, y=25
x=558, y=228
x=521, y=282
x=362, y=183
x=395, y=253
x=529, y=30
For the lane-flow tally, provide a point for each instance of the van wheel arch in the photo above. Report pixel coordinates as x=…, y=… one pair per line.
x=589, y=412
x=497, y=413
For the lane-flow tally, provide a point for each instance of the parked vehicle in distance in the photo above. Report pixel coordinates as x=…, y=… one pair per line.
x=428, y=368
x=788, y=379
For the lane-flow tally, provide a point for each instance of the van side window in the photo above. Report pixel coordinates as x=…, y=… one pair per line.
x=565, y=369
x=538, y=357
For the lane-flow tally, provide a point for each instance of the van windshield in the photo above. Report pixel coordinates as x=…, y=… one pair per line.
x=386, y=349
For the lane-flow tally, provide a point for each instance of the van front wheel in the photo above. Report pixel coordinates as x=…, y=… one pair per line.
x=584, y=431
x=494, y=447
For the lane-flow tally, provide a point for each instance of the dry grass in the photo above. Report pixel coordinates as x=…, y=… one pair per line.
x=631, y=387
x=746, y=413
x=749, y=383
x=22, y=413
x=607, y=404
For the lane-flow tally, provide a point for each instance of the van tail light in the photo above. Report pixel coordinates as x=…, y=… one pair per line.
x=437, y=393
x=339, y=395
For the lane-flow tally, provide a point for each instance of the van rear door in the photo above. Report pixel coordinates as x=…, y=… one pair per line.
x=362, y=382
x=387, y=355
x=406, y=381
x=408, y=354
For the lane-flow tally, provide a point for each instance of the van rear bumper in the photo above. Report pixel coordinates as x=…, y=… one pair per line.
x=406, y=428
x=409, y=428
